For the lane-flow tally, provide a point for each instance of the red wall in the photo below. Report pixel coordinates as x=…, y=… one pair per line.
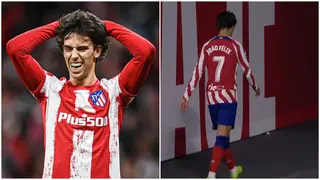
x=291, y=62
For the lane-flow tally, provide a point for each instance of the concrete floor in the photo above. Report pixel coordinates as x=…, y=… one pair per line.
x=290, y=152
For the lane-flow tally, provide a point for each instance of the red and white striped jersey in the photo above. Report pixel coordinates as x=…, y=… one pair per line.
x=81, y=123
x=221, y=55
x=81, y=126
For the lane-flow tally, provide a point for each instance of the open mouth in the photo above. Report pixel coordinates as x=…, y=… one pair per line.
x=76, y=65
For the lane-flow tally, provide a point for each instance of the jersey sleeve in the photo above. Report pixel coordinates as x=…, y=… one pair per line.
x=135, y=72
x=243, y=61
x=196, y=75
x=19, y=49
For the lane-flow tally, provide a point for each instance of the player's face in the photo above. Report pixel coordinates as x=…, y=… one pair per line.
x=80, y=55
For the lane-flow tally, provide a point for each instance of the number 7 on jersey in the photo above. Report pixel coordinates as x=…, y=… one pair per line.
x=220, y=60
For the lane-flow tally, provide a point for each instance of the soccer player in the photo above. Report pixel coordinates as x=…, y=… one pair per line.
x=82, y=116
x=220, y=55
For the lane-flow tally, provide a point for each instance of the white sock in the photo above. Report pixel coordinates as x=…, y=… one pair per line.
x=233, y=170
x=211, y=174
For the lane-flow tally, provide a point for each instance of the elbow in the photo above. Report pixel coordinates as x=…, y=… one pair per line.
x=11, y=48
x=145, y=52
x=150, y=52
x=14, y=49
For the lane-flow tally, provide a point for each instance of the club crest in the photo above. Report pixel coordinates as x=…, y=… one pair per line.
x=98, y=98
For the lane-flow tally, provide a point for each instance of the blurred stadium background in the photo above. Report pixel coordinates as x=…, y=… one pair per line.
x=22, y=129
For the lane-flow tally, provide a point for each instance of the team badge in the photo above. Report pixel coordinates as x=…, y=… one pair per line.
x=98, y=98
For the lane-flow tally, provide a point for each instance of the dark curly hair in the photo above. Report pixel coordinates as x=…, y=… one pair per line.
x=86, y=24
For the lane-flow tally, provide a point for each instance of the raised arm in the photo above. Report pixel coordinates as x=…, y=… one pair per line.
x=19, y=49
x=196, y=76
x=135, y=72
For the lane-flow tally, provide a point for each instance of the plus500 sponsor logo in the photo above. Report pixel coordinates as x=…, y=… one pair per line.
x=84, y=120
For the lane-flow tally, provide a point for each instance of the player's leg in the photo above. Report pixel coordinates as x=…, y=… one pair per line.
x=229, y=112
x=217, y=152
x=227, y=154
x=222, y=141
x=235, y=171
x=221, y=124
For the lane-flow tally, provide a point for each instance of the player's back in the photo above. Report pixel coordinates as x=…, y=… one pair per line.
x=221, y=60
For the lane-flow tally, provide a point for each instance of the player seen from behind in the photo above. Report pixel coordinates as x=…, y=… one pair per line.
x=221, y=55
